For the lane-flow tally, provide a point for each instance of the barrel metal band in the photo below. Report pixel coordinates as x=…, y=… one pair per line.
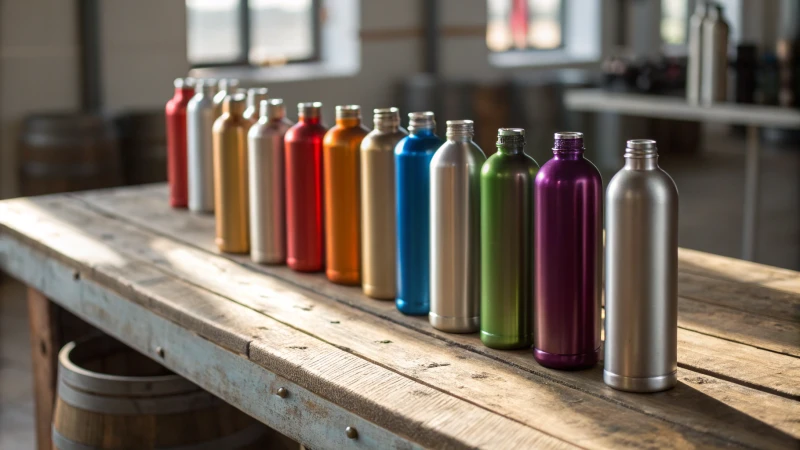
x=136, y=405
x=241, y=438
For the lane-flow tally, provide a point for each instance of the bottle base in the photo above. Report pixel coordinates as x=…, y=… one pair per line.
x=641, y=385
x=226, y=248
x=345, y=278
x=501, y=342
x=412, y=309
x=266, y=258
x=567, y=362
x=450, y=324
x=377, y=293
x=304, y=266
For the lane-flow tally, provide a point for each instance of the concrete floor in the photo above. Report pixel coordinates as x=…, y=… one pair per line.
x=711, y=191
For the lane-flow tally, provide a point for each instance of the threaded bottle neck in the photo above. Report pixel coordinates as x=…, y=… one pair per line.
x=348, y=115
x=421, y=122
x=234, y=104
x=272, y=109
x=255, y=96
x=568, y=145
x=460, y=130
x=310, y=112
x=510, y=141
x=641, y=154
x=386, y=120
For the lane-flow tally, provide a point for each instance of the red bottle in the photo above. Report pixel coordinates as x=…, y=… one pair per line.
x=176, y=142
x=305, y=219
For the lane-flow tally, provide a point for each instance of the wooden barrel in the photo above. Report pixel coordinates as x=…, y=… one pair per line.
x=68, y=152
x=143, y=144
x=111, y=397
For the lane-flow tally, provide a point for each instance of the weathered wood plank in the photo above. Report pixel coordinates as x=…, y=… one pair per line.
x=228, y=275
x=699, y=263
x=44, y=354
x=102, y=295
x=146, y=207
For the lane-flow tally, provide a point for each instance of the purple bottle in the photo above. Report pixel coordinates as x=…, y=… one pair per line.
x=567, y=257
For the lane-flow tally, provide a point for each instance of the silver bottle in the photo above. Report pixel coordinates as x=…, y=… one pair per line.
x=378, y=235
x=199, y=122
x=265, y=162
x=254, y=98
x=455, y=270
x=641, y=347
x=694, y=67
x=714, y=84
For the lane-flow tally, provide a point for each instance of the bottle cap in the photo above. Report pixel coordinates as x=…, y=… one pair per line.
x=460, y=128
x=309, y=109
x=386, y=117
x=423, y=119
x=511, y=137
x=273, y=108
x=641, y=148
x=568, y=141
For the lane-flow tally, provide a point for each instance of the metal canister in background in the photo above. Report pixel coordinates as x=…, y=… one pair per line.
x=305, y=213
x=641, y=347
x=176, y=142
x=267, y=186
x=341, y=149
x=412, y=158
x=455, y=247
x=568, y=250
x=254, y=98
x=507, y=281
x=694, y=63
x=199, y=122
x=714, y=84
x=225, y=87
x=378, y=229
x=230, y=176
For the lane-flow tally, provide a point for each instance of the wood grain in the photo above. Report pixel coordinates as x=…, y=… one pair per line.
x=44, y=350
x=222, y=275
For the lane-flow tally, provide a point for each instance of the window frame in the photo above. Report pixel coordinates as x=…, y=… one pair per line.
x=243, y=60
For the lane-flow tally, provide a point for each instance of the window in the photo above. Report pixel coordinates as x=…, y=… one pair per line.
x=525, y=25
x=674, y=21
x=252, y=32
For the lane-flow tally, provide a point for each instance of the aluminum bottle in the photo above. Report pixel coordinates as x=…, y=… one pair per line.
x=507, y=180
x=305, y=219
x=230, y=176
x=412, y=157
x=568, y=215
x=641, y=348
x=225, y=87
x=694, y=65
x=715, y=57
x=341, y=149
x=455, y=247
x=199, y=122
x=254, y=98
x=176, y=142
x=378, y=229
x=265, y=155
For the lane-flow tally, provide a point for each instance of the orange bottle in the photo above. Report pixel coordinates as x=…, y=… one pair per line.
x=341, y=150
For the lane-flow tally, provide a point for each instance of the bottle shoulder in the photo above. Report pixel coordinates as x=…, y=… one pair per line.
x=302, y=130
x=629, y=183
x=504, y=164
x=418, y=144
x=265, y=128
x=458, y=153
x=559, y=170
x=338, y=135
x=377, y=141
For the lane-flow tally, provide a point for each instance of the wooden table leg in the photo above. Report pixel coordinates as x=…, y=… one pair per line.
x=45, y=344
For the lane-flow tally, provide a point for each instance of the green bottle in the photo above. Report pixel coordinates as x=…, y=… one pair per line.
x=507, y=179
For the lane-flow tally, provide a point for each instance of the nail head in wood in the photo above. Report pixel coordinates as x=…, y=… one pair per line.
x=283, y=392
x=351, y=432
x=160, y=352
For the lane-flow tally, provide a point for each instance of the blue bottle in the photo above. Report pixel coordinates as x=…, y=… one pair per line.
x=412, y=157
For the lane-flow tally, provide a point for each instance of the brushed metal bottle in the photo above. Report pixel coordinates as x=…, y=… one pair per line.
x=507, y=281
x=378, y=229
x=714, y=84
x=641, y=347
x=694, y=66
x=341, y=148
x=254, y=98
x=225, y=87
x=265, y=159
x=199, y=122
x=412, y=158
x=230, y=176
x=456, y=231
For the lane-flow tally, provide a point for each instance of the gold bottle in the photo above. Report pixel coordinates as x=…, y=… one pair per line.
x=230, y=176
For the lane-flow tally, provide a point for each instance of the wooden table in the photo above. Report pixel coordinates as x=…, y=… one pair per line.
x=125, y=262
x=663, y=107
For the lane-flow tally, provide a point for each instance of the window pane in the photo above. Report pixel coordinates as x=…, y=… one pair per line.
x=674, y=21
x=281, y=31
x=524, y=24
x=213, y=31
